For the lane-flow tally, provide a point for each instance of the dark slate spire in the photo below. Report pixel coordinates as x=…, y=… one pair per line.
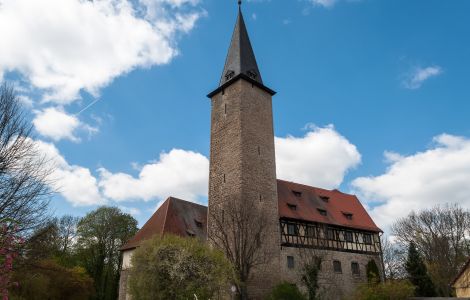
x=241, y=58
x=240, y=61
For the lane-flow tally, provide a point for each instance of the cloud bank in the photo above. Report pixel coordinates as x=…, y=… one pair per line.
x=321, y=157
x=64, y=46
x=438, y=175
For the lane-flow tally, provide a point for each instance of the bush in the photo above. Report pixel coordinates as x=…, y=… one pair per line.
x=172, y=267
x=285, y=291
x=373, y=273
x=390, y=290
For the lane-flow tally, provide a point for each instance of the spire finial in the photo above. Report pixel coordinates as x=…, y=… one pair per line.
x=239, y=2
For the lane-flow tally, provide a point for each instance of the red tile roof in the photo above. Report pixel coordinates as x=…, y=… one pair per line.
x=296, y=201
x=174, y=216
x=336, y=204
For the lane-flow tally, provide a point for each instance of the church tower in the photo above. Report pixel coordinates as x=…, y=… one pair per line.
x=242, y=181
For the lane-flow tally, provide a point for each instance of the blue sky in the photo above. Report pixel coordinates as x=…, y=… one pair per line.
x=373, y=95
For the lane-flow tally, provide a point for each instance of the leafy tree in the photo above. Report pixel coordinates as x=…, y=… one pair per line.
x=10, y=244
x=373, y=273
x=309, y=277
x=101, y=233
x=285, y=291
x=46, y=279
x=24, y=171
x=390, y=290
x=418, y=274
x=172, y=267
x=440, y=234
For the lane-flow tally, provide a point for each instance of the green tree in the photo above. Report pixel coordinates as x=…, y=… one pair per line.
x=309, y=277
x=101, y=233
x=172, y=267
x=46, y=279
x=285, y=291
x=390, y=290
x=373, y=273
x=418, y=274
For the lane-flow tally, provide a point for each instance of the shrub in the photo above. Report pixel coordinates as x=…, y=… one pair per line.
x=172, y=267
x=390, y=290
x=373, y=273
x=285, y=291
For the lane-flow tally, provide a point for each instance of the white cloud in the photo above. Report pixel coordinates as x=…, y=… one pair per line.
x=324, y=3
x=438, y=175
x=178, y=173
x=416, y=78
x=64, y=46
x=320, y=158
x=75, y=183
x=56, y=124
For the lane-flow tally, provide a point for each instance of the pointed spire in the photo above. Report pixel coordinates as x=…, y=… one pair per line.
x=241, y=58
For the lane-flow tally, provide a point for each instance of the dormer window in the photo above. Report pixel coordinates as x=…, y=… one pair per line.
x=292, y=206
x=297, y=193
x=347, y=215
x=198, y=223
x=325, y=198
x=322, y=211
x=229, y=75
x=252, y=74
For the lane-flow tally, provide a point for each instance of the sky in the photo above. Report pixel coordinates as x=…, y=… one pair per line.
x=372, y=96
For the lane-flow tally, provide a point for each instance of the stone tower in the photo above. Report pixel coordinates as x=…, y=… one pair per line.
x=242, y=159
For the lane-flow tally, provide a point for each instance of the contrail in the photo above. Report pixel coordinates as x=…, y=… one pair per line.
x=88, y=106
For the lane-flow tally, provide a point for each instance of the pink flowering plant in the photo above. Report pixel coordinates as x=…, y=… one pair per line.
x=10, y=243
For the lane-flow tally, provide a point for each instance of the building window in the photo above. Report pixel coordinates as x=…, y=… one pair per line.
x=348, y=216
x=259, y=150
x=198, y=223
x=297, y=193
x=290, y=262
x=325, y=198
x=310, y=231
x=337, y=266
x=348, y=236
x=322, y=211
x=355, y=268
x=292, y=229
x=367, y=238
x=225, y=108
x=330, y=234
x=224, y=178
x=292, y=206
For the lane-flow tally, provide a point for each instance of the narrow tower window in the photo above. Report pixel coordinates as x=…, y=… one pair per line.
x=259, y=150
x=225, y=108
x=224, y=178
x=290, y=262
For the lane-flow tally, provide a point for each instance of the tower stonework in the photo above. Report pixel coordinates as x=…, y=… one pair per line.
x=242, y=155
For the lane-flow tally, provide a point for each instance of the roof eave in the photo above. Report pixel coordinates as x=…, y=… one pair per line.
x=236, y=78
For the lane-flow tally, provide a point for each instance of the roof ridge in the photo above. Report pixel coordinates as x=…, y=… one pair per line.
x=186, y=201
x=166, y=213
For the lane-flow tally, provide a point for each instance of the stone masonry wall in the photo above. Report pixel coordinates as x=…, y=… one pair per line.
x=242, y=166
x=333, y=285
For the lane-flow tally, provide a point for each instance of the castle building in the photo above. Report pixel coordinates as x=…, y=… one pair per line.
x=299, y=222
